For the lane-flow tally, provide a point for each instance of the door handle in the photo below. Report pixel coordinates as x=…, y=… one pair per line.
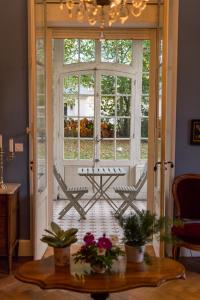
x=31, y=165
x=165, y=163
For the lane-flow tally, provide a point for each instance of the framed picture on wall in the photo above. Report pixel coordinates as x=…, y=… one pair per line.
x=195, y=132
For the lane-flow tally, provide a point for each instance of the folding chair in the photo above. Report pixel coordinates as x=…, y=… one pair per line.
x=73, y=194
x=129, y=194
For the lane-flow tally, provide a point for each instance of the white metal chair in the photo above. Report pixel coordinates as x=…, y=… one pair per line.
x=129, y=194
x=73, y=194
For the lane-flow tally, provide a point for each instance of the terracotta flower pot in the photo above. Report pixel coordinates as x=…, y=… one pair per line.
x=134, y=254
x=62, y=256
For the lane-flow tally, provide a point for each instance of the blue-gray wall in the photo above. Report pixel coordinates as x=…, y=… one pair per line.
x=14, y=92
x=188, y=92
x=14, y=97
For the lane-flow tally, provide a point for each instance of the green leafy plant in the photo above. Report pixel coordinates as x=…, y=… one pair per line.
x=99, y=252
x=58, y=237
x=139, y=228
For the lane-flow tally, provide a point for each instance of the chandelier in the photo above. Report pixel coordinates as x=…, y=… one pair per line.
x=103, y=11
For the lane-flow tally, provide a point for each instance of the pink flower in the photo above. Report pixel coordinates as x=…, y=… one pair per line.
x=104, y=243
x=89, y=239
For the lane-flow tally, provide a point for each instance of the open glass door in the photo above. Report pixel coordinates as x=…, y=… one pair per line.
x=165, y=112
x=38, y=121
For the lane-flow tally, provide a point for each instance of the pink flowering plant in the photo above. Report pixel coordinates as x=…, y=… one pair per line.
x=99, y=251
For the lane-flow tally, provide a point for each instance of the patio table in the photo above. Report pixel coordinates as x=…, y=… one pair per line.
x=101, y=179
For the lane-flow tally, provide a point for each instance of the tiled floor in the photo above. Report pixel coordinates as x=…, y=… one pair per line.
x=99, y=220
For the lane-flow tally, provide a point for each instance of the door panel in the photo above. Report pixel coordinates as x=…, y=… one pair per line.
x=38, y=121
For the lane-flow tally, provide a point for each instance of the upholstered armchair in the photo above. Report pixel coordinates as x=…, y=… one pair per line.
x=186, y=193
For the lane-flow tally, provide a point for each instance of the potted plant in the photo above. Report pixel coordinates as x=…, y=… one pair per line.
x=138, y=230
x=60, y=240
x=99, y=253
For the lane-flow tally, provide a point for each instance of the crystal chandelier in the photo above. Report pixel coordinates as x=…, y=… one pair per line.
x=103, y=11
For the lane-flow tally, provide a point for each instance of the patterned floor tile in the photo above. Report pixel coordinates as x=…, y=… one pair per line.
x=99, y=219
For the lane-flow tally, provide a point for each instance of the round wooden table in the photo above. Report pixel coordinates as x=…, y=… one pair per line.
x=78, y=277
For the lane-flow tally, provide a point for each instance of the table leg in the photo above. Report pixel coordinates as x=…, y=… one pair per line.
x=99, y=296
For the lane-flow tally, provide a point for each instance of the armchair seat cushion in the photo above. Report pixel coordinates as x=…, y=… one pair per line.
x=189, y=232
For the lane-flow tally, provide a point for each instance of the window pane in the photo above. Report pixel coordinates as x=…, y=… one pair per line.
x=87, y=84
x=144, y=149
x=70, y=105
x=123, y=128
x=117, y=51
x=71, y=84
x=146, y=55
x=107, y=84
x=107, y=150
x=145, y=83
x=71, y=49
x=145, y=106
x=86, y=127
x=87, y=50
x=70, y=149
x=123, y=106
x=107, y=106
x=144, y=127
x=122, y=149
x=123, y=85
x=124, y=51
x=70, y=127
x=86, y=149
x=109, y=51
x=107, y=128
x=86, y=95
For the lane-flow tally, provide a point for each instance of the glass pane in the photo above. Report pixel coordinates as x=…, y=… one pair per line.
x=86, y=127
x=86, y=95
x=87, y=84
x=123, y=128
x=108, y=106
x=86, y=149
x=124, y=51
x=70, y=149
x=107, y=150
x=70, y=105
x=145, y=83
x=87, y=50
x=122, y=149
x=117, y=51
x=71, y=51
x=145, y=106
x=144, y=149
x=71, y=84
x=146, y=56
x=144, y=127
x=107, y=128
x=70, y=127
x=123, y=106
x=41, y=109
x=107, y=84
x=123, y=85
x=86, y=106
x=109, y=51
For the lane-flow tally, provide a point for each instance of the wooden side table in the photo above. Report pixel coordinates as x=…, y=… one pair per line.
x=9, y=242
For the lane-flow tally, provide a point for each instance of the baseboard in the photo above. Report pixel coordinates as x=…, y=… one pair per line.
x=25, y=248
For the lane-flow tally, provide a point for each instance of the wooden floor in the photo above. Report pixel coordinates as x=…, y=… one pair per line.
x=189, y=289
